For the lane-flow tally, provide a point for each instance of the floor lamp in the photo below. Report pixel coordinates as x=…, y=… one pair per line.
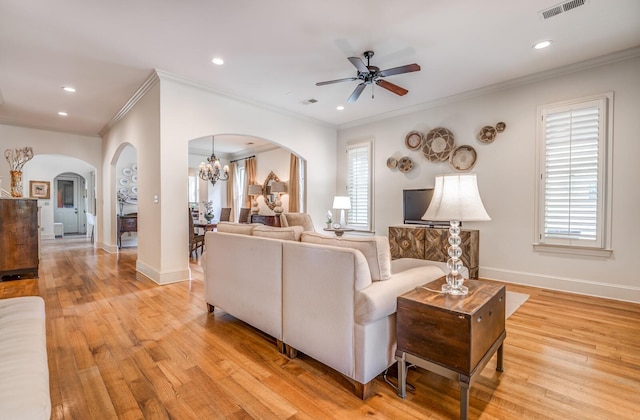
x=455, y=199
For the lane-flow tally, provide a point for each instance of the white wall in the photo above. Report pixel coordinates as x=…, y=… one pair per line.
x=169, y=115
x=54, y=153
x=506, y=177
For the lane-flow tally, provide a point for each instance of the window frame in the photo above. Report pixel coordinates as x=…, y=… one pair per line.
x=368, y=226
x=602, y=245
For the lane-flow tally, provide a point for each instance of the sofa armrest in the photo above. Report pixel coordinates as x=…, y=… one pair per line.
x=403, y=264
x=379, y=300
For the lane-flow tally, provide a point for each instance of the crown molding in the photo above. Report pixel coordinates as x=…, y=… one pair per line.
x=45, y=128
x=149, y=83
x=179, y=79
x=509, y=84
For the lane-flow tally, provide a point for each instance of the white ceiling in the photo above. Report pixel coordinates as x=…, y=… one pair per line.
x=275, y=51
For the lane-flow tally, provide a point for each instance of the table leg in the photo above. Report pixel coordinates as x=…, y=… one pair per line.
x=402, y=376
x=499, y=366
x=464, y=397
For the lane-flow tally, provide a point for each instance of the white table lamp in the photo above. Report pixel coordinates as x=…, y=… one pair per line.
x=342, y=203
x=455, y=199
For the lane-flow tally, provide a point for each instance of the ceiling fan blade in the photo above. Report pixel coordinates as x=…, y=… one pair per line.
x=328, y=82
x=356, y=93
x=359, y=64
x=399, y=70
x=392, y=87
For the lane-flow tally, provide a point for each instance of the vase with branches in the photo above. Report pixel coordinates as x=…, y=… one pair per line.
x=17, y=158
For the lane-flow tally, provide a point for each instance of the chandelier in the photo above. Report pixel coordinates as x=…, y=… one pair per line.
x=210, y=171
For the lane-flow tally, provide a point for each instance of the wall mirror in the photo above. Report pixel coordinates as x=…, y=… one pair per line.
x=269, y=197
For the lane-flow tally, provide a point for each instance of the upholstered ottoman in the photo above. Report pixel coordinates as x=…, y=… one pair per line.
x=24, y=370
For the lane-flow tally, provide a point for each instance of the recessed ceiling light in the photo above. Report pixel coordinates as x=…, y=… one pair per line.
x=68, y=89
x=340, y=108
x=541, y=45
x=218, y=61
x=62, y=114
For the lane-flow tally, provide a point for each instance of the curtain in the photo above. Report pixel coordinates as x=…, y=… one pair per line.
x=250, y=173
x=230, y=188
x=294, y=184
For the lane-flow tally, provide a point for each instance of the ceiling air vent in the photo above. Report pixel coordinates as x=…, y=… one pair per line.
x=309, y=101
x=561, y=8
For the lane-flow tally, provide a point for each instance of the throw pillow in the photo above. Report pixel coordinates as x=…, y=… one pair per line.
x=374, y=248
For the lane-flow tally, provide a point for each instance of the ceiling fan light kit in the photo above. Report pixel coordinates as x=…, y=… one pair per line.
x=370, y=75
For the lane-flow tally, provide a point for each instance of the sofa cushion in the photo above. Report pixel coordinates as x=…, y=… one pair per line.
x=297, y=219
x=374, y=248
x=291, y=233
x=239, y=228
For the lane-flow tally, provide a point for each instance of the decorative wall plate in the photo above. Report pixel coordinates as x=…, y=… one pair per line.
x=414, y=140
x=134, y=189
x=134, y=167
x=487, y=134
x=405, y=164
x=127, y=171
x=123, y=190
x=124, y=181
x=463, y=158
x=133, y=199
x=134, y=178
x=392, y=163
x=438, y=144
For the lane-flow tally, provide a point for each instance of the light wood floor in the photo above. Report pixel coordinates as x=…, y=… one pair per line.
x=121, y=346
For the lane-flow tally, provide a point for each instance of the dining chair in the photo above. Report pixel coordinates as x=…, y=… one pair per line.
x=225, y=214
x=244, y=215
x=195, y=241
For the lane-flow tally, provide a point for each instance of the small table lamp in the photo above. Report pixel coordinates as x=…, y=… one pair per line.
x=455, y=198
x=278, y=188
x=342, y=203
x=254, y=191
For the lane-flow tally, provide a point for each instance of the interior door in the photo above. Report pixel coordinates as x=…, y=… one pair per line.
x=66, y=211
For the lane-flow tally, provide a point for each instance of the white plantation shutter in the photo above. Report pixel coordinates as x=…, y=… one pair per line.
x=359, y=185
x=572, y=174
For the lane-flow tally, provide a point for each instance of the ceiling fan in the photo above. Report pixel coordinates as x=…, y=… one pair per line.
x=371, y=74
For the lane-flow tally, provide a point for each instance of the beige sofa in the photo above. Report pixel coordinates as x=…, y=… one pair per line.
x=334, y=299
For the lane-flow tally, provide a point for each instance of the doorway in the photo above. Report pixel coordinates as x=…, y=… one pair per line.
x=70, y=206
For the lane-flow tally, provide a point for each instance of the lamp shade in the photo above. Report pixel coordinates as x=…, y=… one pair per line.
x=255, y=189
x=456, y=197
x=278, y=187
x=341, y=202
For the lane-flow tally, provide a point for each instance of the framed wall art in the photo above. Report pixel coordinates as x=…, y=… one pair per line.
x=39, y=189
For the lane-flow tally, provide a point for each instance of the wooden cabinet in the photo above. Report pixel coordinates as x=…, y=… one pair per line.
x=19, y=237
x=453, y=337
x=266, y=220
x=427, y=243
x=126, y=223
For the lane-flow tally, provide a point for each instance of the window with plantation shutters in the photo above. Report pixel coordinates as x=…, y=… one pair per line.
x=359, y=185
x=572, y=197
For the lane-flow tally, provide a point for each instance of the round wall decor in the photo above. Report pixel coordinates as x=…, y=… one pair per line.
x=463, y=158
x=438, y=144
x=405, y=164
x=487, y=134
x=414, y=140
x=392, y=163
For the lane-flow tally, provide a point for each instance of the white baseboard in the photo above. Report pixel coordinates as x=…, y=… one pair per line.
x=579, y=286
x=162, y=278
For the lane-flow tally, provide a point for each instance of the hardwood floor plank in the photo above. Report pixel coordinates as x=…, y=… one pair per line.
x=121, y=346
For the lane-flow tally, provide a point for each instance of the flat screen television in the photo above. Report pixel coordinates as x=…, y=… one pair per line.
x=414, y=204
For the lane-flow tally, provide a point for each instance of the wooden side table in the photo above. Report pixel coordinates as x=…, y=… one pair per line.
x=453, y=336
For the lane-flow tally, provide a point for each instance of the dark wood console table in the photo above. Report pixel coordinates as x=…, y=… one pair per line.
x=19, y=236
x=266, y=220
x=126, y=223
x=431, y=243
